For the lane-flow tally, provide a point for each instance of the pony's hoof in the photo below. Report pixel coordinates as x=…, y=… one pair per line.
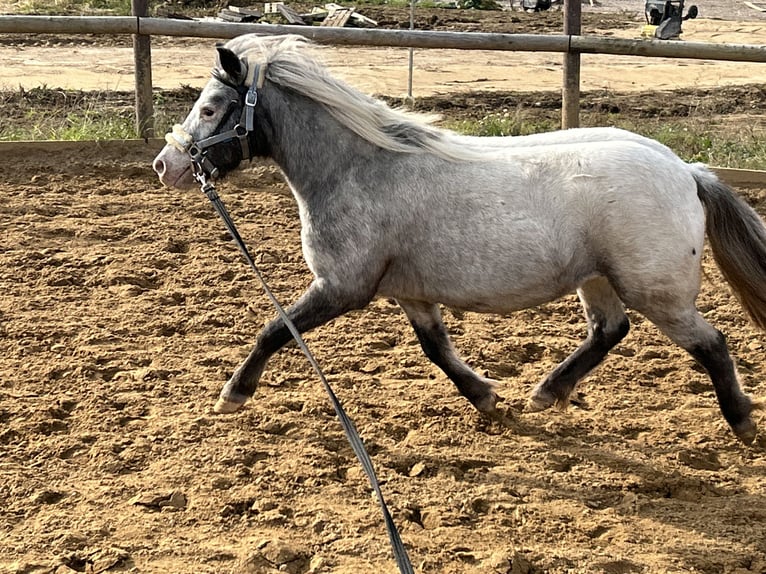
x=223, y=407
x=488, y=404
x=539, y=402
x=746, y=431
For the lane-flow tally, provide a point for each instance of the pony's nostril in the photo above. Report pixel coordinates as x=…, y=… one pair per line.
x=159, y=167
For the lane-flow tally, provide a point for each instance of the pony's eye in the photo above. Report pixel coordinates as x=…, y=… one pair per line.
x=207, y=112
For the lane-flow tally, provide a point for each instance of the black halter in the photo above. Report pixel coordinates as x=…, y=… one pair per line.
x=197, y=150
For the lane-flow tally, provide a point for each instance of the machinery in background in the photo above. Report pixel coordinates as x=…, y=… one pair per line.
x=536, y=5
x=664, y=17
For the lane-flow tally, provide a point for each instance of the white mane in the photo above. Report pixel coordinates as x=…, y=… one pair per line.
x=289, y=64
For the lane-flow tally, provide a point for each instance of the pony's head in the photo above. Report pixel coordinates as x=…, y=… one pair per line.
x=226, y=126
x=223, y=127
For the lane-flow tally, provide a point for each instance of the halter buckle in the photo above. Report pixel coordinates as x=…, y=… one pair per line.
x=251, y=97
x=202, y=167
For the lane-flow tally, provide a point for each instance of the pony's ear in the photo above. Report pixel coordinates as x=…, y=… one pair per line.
x=230, y=63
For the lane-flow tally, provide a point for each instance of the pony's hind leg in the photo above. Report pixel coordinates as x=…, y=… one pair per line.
x=607, y=325
x=708, y=346
x=434, y=339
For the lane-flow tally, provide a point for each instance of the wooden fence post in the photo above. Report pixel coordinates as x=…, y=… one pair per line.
x=570, y=96
x=142, y=56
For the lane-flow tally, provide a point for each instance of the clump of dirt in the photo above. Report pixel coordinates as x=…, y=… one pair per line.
x=497, y=21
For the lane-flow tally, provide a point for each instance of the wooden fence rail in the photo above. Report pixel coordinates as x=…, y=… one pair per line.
x=392, y=38
x=564, y=43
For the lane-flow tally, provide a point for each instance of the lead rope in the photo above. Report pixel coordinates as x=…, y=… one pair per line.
x=400, y=553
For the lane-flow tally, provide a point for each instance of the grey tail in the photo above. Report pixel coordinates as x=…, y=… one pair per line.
x=737, y=237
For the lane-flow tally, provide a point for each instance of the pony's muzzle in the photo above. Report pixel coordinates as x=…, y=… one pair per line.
x=173, y=168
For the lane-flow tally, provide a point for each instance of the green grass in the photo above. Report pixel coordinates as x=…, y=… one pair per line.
x=43, y=113
x=504, y=123
x=719, y=143
x=724, y=142
x=75, y=126
x=712, y=145
x=49, y=114
x=73, y=7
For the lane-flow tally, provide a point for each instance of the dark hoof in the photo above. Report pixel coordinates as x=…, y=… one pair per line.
x=540, y=400
x=482, y=395
x=222, y=406
x=488, y=403
x=746, y=431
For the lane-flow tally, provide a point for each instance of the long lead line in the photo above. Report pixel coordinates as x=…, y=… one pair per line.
x=400, y=552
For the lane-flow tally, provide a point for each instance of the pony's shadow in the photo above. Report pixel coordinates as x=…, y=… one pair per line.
x=674, y=496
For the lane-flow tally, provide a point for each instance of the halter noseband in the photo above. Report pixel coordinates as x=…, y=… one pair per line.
x=197, y=150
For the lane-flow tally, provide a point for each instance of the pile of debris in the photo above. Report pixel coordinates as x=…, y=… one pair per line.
x=329, y=15
x=664, y=17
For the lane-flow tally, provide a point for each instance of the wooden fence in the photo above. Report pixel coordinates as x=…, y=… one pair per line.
x=571, y=44
x=393, y=38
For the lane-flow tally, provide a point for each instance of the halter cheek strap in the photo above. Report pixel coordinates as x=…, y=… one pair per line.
x=255, y=76
x=184, y=142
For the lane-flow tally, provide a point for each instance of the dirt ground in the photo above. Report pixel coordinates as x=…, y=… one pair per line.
x=123, y=309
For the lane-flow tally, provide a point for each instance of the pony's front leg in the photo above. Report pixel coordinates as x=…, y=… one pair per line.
x=318, y=305
x=434, y=339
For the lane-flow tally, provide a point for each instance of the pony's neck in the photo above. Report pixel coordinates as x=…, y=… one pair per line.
x=311, y=147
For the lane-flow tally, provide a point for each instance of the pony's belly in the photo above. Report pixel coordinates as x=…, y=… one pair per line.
x=507, y=302
x=505, y=305
x=481, y=296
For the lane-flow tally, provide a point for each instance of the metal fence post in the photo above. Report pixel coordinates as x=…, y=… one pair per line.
x=142, y=56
